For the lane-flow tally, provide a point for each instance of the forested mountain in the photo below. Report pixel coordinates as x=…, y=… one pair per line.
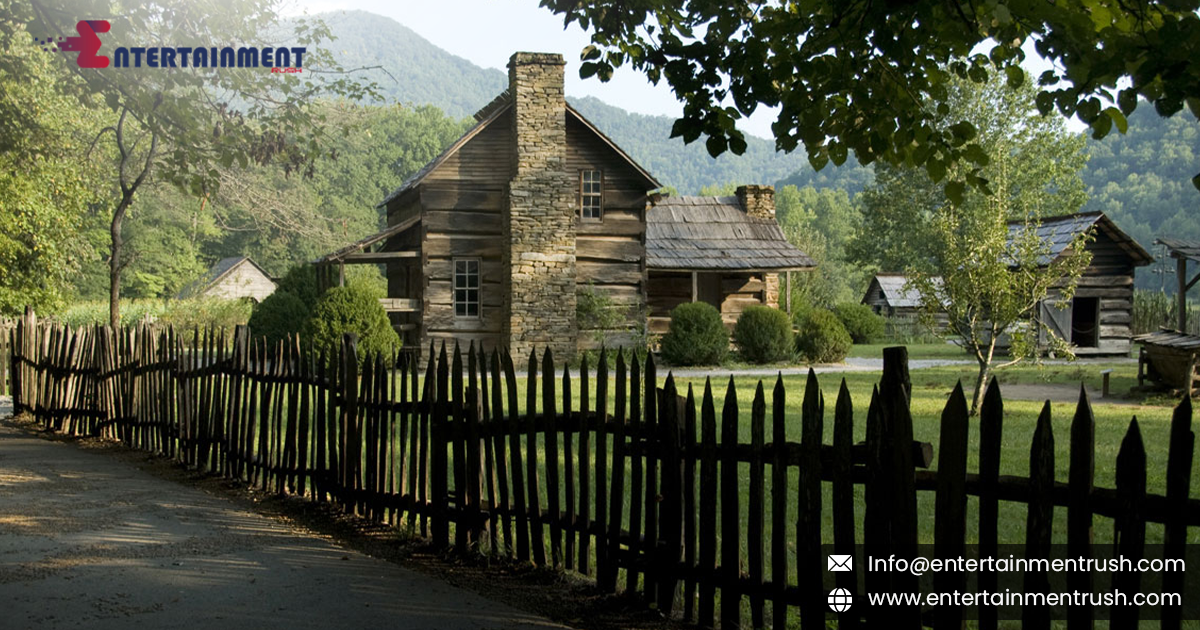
x=1142, y=179
x=407, y=67
x=414, y=71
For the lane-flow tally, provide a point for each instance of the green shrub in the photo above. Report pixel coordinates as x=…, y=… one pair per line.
x=822, y=337
x=860, y=321
x=206, y=312
x=353, y=308
x=763, y=335
x=300, y=281
x=278, y=316
x=697, y=336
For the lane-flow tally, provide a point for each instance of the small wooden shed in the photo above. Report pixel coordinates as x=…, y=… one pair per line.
x=890, y=295
x=726, y=251
x=232, y=278
x=1098, y=319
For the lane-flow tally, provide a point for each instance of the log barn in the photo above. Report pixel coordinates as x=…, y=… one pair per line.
x=726, y=251
x=1097, y=320
x=491, y=241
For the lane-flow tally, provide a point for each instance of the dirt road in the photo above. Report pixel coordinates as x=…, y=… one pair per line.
x=89, y=541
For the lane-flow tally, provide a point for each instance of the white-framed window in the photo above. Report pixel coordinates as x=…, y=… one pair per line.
x=591, y=194
x=466, y=287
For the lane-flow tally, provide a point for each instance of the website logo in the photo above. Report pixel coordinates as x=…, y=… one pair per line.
x=87, y=43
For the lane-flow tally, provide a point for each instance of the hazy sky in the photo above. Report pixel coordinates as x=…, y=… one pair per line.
x=487, y=32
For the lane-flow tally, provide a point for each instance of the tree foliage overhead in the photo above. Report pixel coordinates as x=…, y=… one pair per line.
x=872, y=78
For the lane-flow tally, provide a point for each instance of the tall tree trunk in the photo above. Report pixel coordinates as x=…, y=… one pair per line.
x=114, y=261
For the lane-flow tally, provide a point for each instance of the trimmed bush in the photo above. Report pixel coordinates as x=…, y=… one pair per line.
x=300, y=281
x=763, y=335
x=697, y=336
x=822, y=337
x=278, y=316
x=860, y=321
x=353, y=308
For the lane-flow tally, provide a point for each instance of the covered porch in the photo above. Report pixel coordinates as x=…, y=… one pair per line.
x=398, y=250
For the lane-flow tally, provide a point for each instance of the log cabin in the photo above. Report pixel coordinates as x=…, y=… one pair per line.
x=726, y=251
x=493, y=239
x=497, y=239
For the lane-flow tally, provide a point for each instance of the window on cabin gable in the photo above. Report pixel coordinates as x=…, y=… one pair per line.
x=466, y=287
x=591, y=195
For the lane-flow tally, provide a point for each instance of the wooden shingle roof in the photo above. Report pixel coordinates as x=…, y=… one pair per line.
x=1180, y=248
x=896, y=291
x=1058, y=232
x=715, y=234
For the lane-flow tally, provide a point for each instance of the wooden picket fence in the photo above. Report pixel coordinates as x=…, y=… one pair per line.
x=640, y=486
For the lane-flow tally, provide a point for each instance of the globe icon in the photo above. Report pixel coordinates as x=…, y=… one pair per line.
x=840, y=600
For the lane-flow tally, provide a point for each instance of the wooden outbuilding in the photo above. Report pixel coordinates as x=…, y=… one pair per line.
x=1097, y=320
x=891, y=296
x=726, y=251
x=1172, y=357
x=232, y=278
x=492, y=241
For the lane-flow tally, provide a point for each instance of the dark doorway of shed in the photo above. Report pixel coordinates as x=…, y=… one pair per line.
x=1085, y=322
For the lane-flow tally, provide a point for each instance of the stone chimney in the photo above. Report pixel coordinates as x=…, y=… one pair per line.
x=758, y=201
x=540, y=213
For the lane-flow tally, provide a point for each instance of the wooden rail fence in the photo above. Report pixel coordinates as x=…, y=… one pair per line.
x=640, y=486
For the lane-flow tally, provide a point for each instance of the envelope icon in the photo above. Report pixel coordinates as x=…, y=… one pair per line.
x=840, y=562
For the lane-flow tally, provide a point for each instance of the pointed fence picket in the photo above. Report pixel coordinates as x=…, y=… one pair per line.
x=644, y=489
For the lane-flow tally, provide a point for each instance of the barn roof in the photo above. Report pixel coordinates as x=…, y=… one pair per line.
x=216, y=273
x=1058, y=232
x=1180, y=248
x=714, y=233
x=896, y=291
x=485, y=117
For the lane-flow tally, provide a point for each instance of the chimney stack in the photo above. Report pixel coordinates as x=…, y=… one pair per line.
x=540, y=214
x=758, y=201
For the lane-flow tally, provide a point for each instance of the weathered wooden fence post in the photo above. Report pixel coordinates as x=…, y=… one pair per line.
x=1179, y=479
x=348, y=419
x=438, y=461
x=670, y=551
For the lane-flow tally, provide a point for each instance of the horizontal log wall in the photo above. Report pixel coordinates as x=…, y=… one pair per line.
x=610, y=254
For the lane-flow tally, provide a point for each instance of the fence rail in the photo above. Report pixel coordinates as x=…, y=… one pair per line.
x=641, y=486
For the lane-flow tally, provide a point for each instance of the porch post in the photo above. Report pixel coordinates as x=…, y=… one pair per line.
x=695, y=287
x=1181, y=275
x=341, y=273
x=787, y=284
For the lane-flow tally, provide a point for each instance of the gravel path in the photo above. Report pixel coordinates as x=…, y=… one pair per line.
x=87, y=540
